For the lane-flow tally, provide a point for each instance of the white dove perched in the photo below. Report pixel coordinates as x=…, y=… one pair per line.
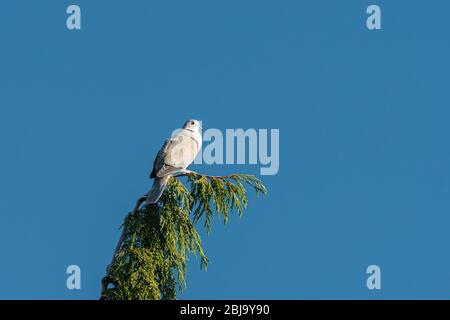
x=174, y=157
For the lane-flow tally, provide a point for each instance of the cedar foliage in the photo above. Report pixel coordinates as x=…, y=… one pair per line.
x=150, y=261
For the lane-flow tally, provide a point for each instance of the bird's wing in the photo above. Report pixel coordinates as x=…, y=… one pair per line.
x=177, y=153
x=159, y=160
x=167, y=170
x=181, y=152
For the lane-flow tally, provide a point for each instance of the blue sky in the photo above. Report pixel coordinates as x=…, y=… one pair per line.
x=364, y=124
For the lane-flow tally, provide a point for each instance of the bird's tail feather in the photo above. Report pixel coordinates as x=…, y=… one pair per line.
x=159, y=185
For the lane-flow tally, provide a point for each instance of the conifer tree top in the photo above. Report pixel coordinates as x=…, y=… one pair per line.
x=150, y=261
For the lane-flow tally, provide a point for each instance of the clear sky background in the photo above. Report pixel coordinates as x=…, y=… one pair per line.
x=364, y=153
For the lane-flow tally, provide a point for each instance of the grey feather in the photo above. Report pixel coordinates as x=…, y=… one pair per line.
x=159, y=185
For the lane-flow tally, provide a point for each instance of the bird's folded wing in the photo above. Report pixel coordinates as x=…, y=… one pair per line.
x=159, y=160
x=167, y=170
x=177, y=153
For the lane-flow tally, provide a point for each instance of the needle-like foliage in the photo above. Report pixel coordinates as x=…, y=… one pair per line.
x=150, y=261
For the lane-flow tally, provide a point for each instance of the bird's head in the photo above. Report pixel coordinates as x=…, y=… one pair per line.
x=193, y=125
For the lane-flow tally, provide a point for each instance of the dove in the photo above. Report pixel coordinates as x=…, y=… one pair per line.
x=176, y=154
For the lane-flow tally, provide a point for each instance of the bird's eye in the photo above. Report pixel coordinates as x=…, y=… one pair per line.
x=192, y=122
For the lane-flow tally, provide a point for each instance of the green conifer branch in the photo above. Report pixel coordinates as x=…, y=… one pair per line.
x=150, y=260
